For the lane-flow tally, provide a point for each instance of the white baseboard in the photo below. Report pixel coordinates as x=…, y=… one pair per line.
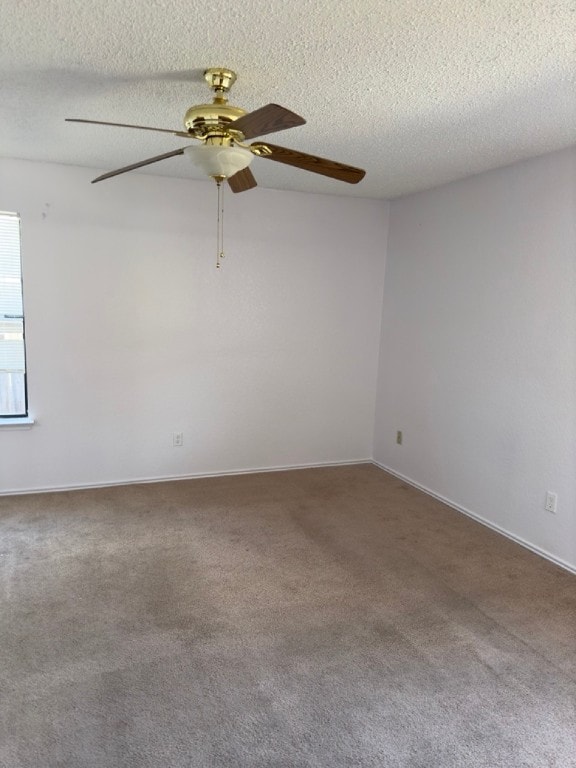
x=479, y=519
x=289, y=467
x=171, y=478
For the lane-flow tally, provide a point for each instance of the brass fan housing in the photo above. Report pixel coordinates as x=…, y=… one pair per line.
x=205, y=119
x=215, y=119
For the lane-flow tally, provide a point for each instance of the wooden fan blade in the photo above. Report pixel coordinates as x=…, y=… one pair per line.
x=312, y=163
x=125, y=125
x=150, y=160
x=242, y=180
x=268, y=119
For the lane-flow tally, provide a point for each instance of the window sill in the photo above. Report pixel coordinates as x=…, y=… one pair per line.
x=20, y=422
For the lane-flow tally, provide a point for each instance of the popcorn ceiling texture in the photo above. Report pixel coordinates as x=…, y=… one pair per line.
x=417, y=93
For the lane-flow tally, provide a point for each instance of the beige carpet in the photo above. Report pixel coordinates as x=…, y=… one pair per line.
x=325, y=617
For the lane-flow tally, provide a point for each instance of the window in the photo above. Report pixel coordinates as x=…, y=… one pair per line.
x=13, y=398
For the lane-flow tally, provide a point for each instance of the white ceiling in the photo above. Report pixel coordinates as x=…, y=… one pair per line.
x=418, y=92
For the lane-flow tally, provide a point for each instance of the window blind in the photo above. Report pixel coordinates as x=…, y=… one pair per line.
x=12, y=354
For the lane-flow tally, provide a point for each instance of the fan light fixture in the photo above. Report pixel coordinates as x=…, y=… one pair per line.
x=219, y=162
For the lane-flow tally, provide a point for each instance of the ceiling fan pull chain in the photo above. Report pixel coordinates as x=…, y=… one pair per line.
x=220, y=224
x=222, y=186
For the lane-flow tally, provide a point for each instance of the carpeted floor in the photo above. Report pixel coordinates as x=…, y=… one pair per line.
x=324, y=618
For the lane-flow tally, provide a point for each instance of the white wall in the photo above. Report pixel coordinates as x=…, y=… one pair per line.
x=478, y=353
x=272, y=361
x=133, y=334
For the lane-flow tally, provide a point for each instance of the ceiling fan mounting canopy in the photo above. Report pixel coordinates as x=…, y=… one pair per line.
x=220, y=78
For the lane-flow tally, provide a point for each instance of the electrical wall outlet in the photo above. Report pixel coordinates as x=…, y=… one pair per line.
x=177, y=439
x=399, y=437
x=551, y=502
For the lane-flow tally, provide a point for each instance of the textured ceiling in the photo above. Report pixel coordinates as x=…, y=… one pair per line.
x=418, y=93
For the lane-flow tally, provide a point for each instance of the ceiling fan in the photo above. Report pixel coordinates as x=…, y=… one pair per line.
x=223, y=129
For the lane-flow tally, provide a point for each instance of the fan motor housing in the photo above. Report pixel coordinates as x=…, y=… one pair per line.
x=206, y=119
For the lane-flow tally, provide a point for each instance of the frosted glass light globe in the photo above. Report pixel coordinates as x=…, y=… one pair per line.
x=219, y=161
